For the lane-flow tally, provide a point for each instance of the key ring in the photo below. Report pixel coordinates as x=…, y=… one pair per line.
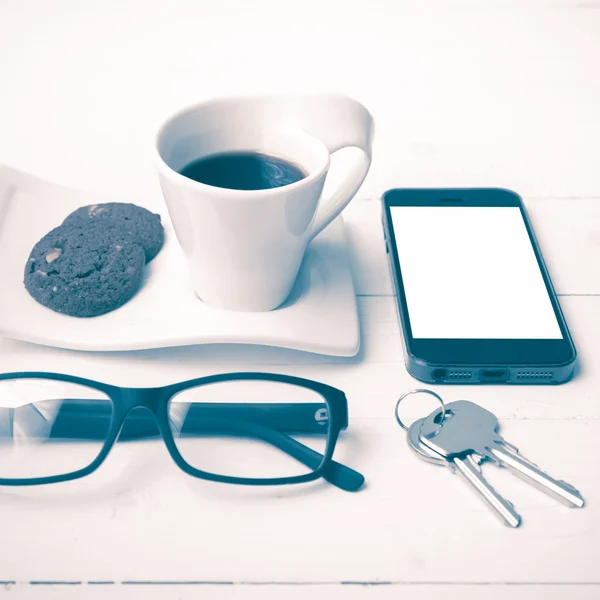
x=419, y=391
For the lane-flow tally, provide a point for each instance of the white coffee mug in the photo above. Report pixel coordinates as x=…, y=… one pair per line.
x=244, y=248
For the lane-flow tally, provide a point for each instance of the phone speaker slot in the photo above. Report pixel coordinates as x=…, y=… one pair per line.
x=531, y=375
x=456, y=375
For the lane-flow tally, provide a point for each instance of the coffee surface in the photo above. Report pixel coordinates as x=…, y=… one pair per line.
x=243, y=171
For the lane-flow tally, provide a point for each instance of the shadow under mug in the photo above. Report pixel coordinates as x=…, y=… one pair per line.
x=244, y=248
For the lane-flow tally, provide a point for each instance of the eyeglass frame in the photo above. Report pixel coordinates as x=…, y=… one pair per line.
x=157, y=400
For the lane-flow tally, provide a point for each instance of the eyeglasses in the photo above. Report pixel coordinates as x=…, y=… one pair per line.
x=245, y=428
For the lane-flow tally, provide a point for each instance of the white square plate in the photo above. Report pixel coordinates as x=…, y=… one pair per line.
x=319, y=316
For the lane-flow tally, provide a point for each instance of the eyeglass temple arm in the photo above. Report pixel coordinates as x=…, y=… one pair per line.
x=310, y=417
x=286, y=417
x=71, y=422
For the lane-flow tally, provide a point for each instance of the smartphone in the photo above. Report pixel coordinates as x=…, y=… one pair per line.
x=475, y=299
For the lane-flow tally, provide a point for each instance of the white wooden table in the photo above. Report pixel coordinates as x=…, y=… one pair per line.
x=500, y=93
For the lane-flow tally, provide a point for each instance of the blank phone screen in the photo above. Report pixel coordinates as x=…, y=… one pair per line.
x=471, y=273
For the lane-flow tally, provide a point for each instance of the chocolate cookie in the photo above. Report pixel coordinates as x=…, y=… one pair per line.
x=83, y=271
x=144, y=226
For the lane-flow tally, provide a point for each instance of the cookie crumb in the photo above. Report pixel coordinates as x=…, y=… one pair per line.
x=95, y=210
x=52, y=256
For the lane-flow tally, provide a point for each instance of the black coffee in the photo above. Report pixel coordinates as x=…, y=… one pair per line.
x=243, y=171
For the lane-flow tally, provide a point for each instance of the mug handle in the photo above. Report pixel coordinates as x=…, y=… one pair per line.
x=338, y=122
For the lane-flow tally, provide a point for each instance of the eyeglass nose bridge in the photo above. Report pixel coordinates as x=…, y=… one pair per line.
x=150, y=398
x=148, y=422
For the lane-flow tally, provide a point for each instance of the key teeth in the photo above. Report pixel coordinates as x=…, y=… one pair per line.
x=516, y=516
x=576, y=500
x=568, y=486
x=508, y=445
x=575, y=493
x=509, y=448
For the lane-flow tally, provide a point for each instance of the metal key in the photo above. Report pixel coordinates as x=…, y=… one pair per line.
x=420, y=449
x=469, y=429
x=468, y=467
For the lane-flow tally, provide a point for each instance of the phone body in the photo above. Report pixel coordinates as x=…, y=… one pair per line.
x=474, y=296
